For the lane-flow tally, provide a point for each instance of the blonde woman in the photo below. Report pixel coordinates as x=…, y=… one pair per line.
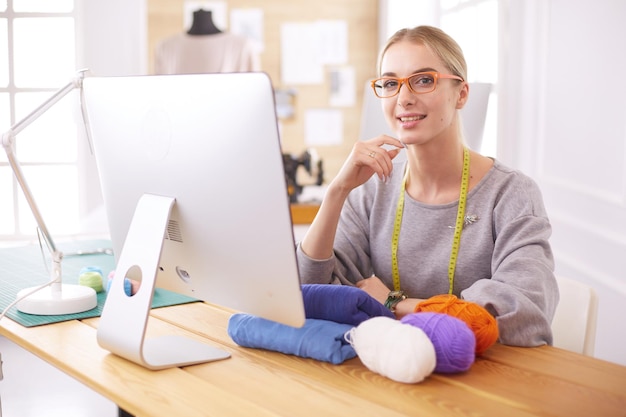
x=447, y=220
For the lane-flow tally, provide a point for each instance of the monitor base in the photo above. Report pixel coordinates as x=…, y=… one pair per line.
x=124, y=320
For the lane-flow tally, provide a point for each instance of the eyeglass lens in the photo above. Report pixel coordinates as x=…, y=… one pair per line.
x=419, y=83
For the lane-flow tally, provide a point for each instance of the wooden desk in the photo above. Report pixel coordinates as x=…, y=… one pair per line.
x=303, y=213
x=505, y=381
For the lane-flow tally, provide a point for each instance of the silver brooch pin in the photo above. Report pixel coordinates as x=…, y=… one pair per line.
x=469, y=219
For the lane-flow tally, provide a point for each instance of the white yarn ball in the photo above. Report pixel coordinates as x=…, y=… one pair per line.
x=395, y=350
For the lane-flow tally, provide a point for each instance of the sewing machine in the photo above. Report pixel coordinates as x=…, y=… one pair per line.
x=311, y=164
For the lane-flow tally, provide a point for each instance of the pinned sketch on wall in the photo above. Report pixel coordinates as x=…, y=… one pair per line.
x=249, y=23
x=342, y=86
x=284, y=103
x=299, y=61
x=323, y=127
x=333, y=41
x=306, y=48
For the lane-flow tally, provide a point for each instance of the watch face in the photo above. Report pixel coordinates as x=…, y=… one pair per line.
x=396, y=294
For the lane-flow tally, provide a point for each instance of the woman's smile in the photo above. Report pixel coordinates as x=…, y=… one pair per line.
x=408, y=121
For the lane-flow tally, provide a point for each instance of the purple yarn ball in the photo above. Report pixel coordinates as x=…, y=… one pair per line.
x=454, y=341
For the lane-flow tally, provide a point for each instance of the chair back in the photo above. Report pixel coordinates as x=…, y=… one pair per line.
x=575, y=319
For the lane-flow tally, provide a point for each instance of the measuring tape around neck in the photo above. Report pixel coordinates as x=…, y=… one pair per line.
x=458, y=227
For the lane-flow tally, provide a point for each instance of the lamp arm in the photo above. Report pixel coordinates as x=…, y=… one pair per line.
x=8, y=142
x=76, y=82
x=62, y=298
x=19, y=175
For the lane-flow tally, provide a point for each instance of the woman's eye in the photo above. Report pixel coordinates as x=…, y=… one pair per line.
x=390, y=84
x=423, y=80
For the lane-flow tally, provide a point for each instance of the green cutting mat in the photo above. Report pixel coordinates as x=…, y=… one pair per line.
x=23, y=267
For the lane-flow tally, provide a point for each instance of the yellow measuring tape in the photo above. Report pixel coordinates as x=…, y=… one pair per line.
x=395, y=272
x=458, y=227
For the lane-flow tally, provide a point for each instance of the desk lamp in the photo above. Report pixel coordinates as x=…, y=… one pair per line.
x=56, y=297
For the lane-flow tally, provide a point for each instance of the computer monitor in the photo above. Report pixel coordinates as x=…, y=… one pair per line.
x=196, y=199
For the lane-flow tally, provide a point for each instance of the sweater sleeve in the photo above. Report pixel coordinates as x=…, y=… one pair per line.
x=522, y=293
x=351, y=260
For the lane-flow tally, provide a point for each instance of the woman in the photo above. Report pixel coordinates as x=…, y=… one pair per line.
x=448, y=220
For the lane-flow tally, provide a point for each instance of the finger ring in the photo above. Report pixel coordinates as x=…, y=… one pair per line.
x=372, y=154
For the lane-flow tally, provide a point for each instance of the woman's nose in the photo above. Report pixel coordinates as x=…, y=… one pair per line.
x=405, y=96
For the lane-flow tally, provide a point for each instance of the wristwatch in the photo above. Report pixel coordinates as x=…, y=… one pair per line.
x=393, y=299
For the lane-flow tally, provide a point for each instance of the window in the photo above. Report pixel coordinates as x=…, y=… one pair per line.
x=37, y=57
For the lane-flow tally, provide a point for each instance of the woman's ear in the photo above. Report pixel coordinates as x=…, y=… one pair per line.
x=463, y=95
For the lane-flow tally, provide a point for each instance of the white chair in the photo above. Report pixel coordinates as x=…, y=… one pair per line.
x=574, y=324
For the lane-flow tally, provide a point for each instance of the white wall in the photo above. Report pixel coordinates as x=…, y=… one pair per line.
x=563, y=121
x=112, y=37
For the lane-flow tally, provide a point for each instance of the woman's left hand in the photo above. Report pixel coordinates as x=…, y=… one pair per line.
x=375, y=288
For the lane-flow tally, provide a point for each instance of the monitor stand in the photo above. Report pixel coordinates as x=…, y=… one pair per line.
x=122, y=326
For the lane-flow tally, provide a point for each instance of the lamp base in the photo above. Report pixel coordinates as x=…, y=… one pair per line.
x=68, y=299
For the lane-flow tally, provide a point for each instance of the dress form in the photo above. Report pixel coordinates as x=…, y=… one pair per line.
x=202, y=23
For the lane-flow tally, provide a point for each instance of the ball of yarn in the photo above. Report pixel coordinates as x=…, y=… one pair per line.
x=91, y=269
x=453, y=340
x=478, y=319
x=392, y=349
x=91, y=276
x=128, y=288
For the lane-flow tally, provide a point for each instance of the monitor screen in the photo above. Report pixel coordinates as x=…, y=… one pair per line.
x=210, y=142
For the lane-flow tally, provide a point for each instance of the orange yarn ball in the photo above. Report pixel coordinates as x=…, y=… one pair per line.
x=478, y=319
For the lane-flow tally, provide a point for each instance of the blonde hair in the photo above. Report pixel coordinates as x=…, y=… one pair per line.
x=442, y=44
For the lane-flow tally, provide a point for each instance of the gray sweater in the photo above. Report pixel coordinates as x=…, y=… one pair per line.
x=504, y=263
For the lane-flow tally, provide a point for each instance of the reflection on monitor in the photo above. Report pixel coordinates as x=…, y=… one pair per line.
x=195, y=194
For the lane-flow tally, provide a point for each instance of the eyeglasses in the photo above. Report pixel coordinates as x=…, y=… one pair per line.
x=420, y=83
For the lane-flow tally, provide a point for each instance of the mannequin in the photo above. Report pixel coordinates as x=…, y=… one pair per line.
x=202, y=23
x=204, y=48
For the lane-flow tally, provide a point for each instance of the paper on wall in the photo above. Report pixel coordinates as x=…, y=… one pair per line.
x=307, y=47
x=300, y=60
x=249, y=23
x=333, y=41
x=323, y=127
x=342, y=87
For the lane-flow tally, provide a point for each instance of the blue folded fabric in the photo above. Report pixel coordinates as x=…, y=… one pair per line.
x=318, y=339
x=341, y=304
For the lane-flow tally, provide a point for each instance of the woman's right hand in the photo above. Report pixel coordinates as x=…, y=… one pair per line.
x=367, y=158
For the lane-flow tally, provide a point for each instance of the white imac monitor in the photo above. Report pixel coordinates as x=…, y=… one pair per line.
x=194, y=188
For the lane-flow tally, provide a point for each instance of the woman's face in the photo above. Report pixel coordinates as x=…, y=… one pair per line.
x=418, y=118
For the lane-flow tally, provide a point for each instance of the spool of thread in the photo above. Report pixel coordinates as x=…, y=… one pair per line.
x=478, y=319
x=91, y=276
x=454, y=342
x=128, y=288
x=392, y=349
